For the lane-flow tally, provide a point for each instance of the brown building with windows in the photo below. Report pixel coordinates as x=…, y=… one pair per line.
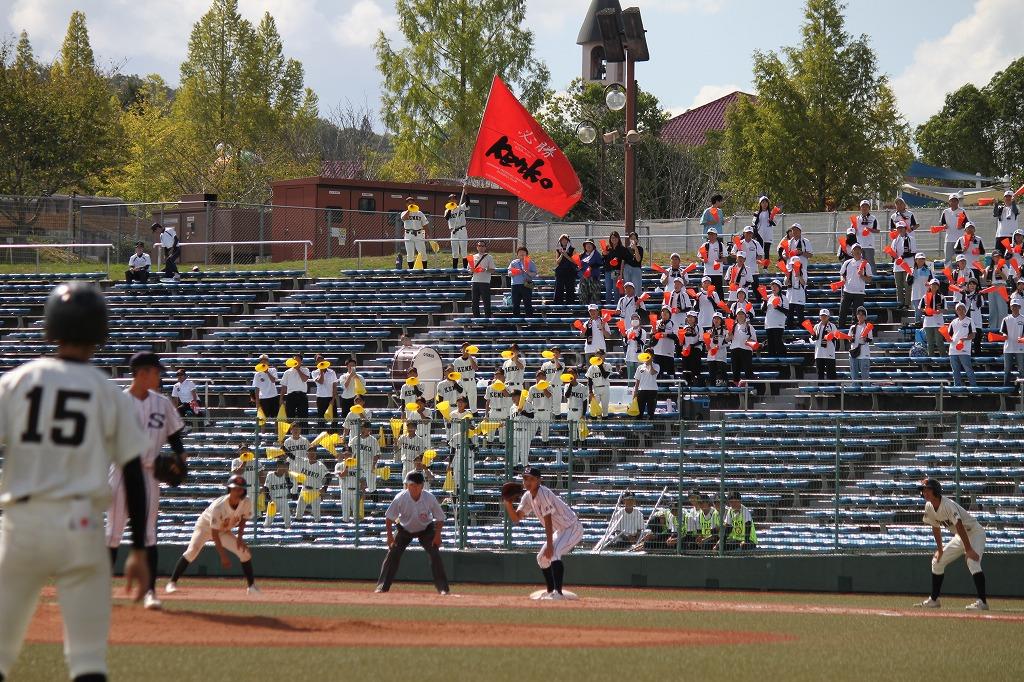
x=334, y=213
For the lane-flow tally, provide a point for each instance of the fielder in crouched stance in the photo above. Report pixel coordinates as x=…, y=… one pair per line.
x=224, y=514
x=968, y=541
x=419, y=516
x=562, y=528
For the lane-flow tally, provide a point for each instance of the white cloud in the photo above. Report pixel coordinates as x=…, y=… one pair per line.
x=973, y=50
x=359, y=26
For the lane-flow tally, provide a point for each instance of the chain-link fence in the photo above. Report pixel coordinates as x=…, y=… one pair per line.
x=742, y=482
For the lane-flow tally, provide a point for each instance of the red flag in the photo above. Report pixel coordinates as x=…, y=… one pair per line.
x=513, y=151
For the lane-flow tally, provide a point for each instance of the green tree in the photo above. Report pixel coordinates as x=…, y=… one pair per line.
x=961, y=135
x=824, y=128
x=59, y=128
x=1005, y=93
x=242, y=116
x=434, y=89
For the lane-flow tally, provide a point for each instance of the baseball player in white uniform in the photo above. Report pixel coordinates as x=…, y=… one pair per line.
x=277, y=486
x=264, y=389
x=625, y=526
x=225, y=514
x=62, y=424
x=245, y=466
x=466, y=366
x=968, y=541
x=576, y=398
x=562, y=528
x=161, y=424
x=414, y=226
x=497, y=405
x=533, y=417
x=314, y=485
x=407, y=448
x=455, y=213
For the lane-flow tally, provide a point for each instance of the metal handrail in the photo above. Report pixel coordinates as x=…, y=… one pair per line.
x=37, y=247
x=306, y=245
x=359, y=243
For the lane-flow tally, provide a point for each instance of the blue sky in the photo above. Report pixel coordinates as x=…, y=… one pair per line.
x=700, y=49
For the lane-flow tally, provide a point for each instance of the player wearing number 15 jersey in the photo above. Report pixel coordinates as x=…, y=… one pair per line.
x=62, y=424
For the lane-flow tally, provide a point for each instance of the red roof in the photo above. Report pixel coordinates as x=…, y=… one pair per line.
x=341, y=170
x=690, y=127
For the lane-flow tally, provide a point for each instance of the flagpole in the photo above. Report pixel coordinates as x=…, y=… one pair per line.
x=490, y=92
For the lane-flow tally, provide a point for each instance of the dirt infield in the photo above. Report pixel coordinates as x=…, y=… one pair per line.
x=368, y=598
x=133, y=625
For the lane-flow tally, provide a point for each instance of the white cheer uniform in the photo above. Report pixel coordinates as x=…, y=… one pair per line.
x=220, y=517
x=535, y=416
x=568, y=530
x=499, y=405
x=315, y=473
x=408, y=450
x=600, y=386
x=464, y=366
x=348, y=478
x=514, y=375
x=64, y=423
x=279, y=487
x=159, y=419
x=367, y=451
x=946, y=516
x=457, y=226
x=414, y=225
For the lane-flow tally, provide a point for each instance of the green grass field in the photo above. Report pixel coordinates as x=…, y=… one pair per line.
x=902, y=644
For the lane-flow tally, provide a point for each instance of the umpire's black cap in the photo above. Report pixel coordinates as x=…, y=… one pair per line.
x=76, y=312
x=930, y=484
x=145, y=359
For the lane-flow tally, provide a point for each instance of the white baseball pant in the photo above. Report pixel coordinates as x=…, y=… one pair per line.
x=228, y=540
x=63, y=541
x=460, y=243
x=563, y=541
x=523, y=430
x=457, y=468
x=117, y=514
x=415, y=243
x=300, y=506
x=498, y=435
x=543, y=420
x=469, y=392
x=282, y=508
x=954, y=549
x=407, y=466
x=603, y=393
x=349, y=500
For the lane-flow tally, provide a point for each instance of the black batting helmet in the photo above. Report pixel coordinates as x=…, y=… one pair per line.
x=76, y=312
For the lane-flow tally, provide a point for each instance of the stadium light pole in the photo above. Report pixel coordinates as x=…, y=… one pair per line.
x=624, y=40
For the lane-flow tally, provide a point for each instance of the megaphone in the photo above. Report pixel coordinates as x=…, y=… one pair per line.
x=454, y=376
x=412, y=381
x=595, y=361
x=566, y=378
x=357, y=409
x=291, y=362
x=451, y=206
x=413, y=207
x=262, y=367
x=542, y=385
x=548, y=355
x=643, y=357
x=499, y=385
x=322, y=365
x=507, y=354
x=472, y=350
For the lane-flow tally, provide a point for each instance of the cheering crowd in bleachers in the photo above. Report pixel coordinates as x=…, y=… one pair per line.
x=747, y=293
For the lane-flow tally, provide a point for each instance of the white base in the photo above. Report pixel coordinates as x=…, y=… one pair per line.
x=569, y=596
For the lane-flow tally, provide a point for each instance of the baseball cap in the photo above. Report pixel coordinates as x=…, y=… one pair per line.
x=865, y=202
x=762, y=198
x=930, y=484
x=705, y=278
x=415, y=477
x=748, y=228
x=675, y=255
x=592, y=306
x=777, y=282
x=145, y=359
x=531, y=471
x=712, y=230
x=628, y=284
x=961, y=257
x=825, y=312
x=1007, y=193
x=901, y=223
x=933, y=281
x=741, y=254
x=920, y=255
x=1015, y=301
x=718, y=315
x=954, y=195
x=795, y=226
x=851, y=230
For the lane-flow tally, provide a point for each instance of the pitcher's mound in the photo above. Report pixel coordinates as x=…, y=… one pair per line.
x=566, y=594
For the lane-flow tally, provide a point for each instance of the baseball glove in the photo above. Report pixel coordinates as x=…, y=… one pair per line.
x=170, y=468
x=512, y=491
